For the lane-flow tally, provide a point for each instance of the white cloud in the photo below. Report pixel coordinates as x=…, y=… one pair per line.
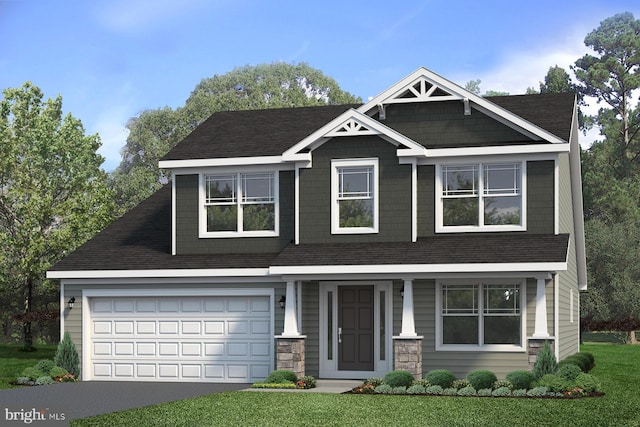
x=140, y=15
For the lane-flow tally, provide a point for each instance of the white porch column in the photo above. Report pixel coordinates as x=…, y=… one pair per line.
x=290, y=317
x=541, y=330
x=408, y=322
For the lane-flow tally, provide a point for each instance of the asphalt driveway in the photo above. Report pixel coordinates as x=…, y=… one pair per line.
x=57, y=402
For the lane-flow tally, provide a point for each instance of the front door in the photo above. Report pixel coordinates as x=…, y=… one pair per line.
x=356, y=328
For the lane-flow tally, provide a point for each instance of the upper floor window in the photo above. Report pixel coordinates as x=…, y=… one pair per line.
x=481, y=196
x=240, y=204
x=354, y=188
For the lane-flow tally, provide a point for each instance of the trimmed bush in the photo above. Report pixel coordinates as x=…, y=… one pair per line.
x=588, y=383
x=384, y=389
x=485, y=392
x=568, y=371
x=423, y=382
x=519, y=393
x=281, y=376
x=399, y=379
x=400, y=390
x=375, y=382
x=434, y=389
x=44, y=365
x=32, y=373
x=306, y=382
x=586, y=360
x=57, y=371
x=45, y=379
x=555, y=383
x=502, y=383
x=440, y=377
x=482, y=379
x=24, y=381
x=545, y=362
x=67, y=356
x=450, y=391
x=416, y=389
x=501, y=392
x=580, y=362
x=537, y=392
x=520, y=379
x=467, y=391
x=589, y=356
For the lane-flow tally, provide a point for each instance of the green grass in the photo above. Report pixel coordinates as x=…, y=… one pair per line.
x=617, y=367
x=13, y=360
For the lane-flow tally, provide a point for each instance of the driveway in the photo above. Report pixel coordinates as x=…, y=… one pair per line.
x=70, y=401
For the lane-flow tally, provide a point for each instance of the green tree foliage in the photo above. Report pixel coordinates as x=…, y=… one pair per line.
x=557, y=80
x=67, y=356
x=53, y=194
x=154, y=132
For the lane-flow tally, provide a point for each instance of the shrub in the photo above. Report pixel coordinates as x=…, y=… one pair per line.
x=306, y=382
x=592, y=360
x=568, y=371
x=416, y=389
x=502, y=383
x=32, y=373
x=45, y=365
x=281, y=376
x=485, y=392
x=57, y=371
x=24, y=381
x=520, y=379
x=537, y=392
x=460, y=384
x=67, y=356
x=501, y=392
x=555, y=383
x=423, y=382
x=450, y=391
x=384, y=389
x=482, y=379
x=399, y=379
x=45, y=379
x=434, y=389
x=574, y=359
x=400, y=390
x=545, y=362
x=273, y=385
x=467, y=391
x=375, y=382
x=67, y=378
x=586, y=360
x=521, y=392
x=588, y=383
x=440, y=377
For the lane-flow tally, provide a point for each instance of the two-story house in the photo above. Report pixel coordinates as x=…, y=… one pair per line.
x=428, y=228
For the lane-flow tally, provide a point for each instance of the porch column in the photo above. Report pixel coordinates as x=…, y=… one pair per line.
x=408, y=322
x=290, y=316
x=541, y=329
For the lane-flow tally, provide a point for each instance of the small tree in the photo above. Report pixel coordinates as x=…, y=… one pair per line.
x=545, y=362
x=67, y=356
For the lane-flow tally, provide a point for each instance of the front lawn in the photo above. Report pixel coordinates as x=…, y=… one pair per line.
x=617, y=367
x=13, y=360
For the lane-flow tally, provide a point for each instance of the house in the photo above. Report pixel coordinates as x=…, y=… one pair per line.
x=428, y=228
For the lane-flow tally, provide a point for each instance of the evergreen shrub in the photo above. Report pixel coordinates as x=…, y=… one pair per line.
x=440, y=377
x=482, y=379
x=545, y=362
x=399, y=378
x=67, y=356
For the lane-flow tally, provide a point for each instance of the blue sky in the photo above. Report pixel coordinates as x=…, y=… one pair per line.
x=110, y=60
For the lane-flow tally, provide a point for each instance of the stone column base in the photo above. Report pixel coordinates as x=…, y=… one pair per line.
x=407, y=355
x=535, y=344
x=290, y=354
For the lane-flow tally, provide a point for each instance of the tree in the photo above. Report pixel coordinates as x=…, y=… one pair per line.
x=155, y=132
x=557, y=80
x=53, y=194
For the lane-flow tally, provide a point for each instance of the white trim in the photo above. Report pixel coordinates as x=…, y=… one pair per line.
x=329, y=368
x=541, y=329
x=214, y=162
x=373, y=127
x=414, y=200
x=556, y=196
x=440, y=228
x=63, y=306
x=404, y=269
x=174, y=233
x=556, y=314
x=483, y=347
x=457, y=92
x=296, y=205
x=335, y=206
x=434, y=154
x=202, y=211
x=113, y=293
x=184, y=273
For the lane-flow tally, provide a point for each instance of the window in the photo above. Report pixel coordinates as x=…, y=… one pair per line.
x=481, y=315
x=481, y=197
x=240, y=204
x=355, y=196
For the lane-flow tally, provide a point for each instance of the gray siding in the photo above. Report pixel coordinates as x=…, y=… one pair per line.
x=426, y=200
x=394, y=192
x=187, y=211
x=540, y=197
x=443, y=124
x=73, y=318
x=311, y=327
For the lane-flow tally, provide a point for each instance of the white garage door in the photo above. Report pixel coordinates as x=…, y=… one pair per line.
x=200, y=339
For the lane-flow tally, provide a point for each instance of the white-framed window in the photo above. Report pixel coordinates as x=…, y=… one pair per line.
x=239, y=204
x=487, y=316
x=354, y=194
x=481, y=197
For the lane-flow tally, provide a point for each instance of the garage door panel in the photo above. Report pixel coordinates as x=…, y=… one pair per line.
x=213, y=339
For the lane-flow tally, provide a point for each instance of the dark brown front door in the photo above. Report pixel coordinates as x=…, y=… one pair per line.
x=355, y=323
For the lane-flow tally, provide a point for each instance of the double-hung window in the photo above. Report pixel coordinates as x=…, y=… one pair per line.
x=354, y=185
x=481, y=316
x=481, y=197
x=238, y=204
